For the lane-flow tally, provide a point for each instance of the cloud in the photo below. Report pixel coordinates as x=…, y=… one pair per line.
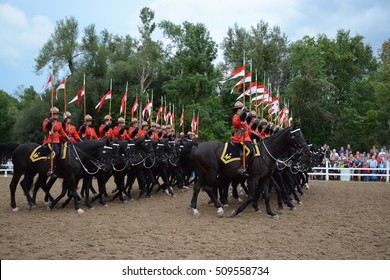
x=21, y=35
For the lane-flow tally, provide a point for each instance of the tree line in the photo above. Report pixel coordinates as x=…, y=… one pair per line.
x=336, y=88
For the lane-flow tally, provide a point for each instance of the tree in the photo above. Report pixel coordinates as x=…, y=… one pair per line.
x=8, y=115
x=62, y=48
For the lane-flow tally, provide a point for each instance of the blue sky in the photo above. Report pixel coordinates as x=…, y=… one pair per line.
x=26, y=25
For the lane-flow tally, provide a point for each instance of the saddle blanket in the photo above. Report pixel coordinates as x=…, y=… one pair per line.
x=42, y=152
x=232, y=152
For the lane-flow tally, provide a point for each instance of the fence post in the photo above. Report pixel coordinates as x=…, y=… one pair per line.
x=327, y=170
x=5, y=173
x=387, y=170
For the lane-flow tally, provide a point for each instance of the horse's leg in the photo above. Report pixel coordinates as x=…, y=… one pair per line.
x=12, y=187
x=249, y=200
x=223, y=187
x=71, y=182
x=62, y=194
x=119, y=179
x=265, y=183
x=87, y=184
x=26, y=185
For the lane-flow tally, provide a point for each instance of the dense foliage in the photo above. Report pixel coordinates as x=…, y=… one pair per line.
x=336, y=87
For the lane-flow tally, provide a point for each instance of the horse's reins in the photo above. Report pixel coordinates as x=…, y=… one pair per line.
x=92, y=160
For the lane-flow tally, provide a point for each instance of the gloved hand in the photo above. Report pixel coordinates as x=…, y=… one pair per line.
x=254, y=125
x=243, y=114
x=150, y=131
x=49, y=125
x=83, y=128
x=106, y=127
x=159, y=134
x=122, y=130
x=113, y=124
x=135, y=131
x=248, y=118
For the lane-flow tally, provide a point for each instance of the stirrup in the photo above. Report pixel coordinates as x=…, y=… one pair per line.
x=242, y=172
x=51, y=174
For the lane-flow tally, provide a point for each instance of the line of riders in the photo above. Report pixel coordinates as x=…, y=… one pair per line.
x=176, y=164
x=57, y=132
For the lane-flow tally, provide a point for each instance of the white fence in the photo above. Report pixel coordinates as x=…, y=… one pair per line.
x=6, y=171
x=346, y=173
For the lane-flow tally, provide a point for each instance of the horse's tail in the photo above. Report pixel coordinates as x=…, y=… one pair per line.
x=6, y=149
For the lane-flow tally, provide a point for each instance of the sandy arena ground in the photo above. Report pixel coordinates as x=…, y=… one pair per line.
x=338, y=220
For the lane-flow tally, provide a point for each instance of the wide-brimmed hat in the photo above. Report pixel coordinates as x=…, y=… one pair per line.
x=67, y=115
x=88, y=118
x=121, y=120
x=144, y=124
x=54, y=110
x=238, y=105
x=133, y=120
x=107, y=117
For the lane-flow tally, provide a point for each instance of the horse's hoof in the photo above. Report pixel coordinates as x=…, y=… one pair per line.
x=105, y=205
x=220, y=212
x=300, y=203
x=124, y=201
x=16, y=209
x=195, y=212
x=293, y=208
x=233, y=214
x=280, y=211
x=258, y=211
x=91, y=208
x=47, y=203
x=167, y=192
x=275, y=217
x=225, y=206
x=307, y=186
x=239, y=199
x=80, y=211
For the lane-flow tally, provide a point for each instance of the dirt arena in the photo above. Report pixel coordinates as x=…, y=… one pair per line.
x=338, y=220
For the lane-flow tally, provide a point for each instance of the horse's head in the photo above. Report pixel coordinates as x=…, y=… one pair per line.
x=105, y=155
x=297, y=140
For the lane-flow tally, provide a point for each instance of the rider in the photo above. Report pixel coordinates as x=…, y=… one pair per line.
x=105, y=129
x=119, y=131
x=86, y=131
x=54, y=135
x=134, y=131
x=70, y=129
x=241, y=134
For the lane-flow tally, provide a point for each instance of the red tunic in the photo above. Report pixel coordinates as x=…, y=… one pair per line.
x=119, y=136
x=105, y=134
x=53, y=136
x=90, y=134
x=241, y=131
x=70, y=130
x=130, y=133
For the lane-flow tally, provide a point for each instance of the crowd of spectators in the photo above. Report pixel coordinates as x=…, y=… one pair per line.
x=347, y=158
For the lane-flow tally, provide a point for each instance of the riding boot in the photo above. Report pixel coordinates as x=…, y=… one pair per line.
x=242, y=171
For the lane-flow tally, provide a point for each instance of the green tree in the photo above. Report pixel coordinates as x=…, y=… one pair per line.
x=62, y=48
x=8, y=115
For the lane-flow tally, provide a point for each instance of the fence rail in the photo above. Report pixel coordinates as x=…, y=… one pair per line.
x=346, y=173
x=6, y=171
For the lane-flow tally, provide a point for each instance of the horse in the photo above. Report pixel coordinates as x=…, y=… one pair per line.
x=210, y=168
x=71, y=164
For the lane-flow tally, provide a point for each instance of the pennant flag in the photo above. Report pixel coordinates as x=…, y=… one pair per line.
x=182, y=118
x=49, y=84
x=274, y=106
x=246, y=79
x=158, y=118
x=168, y=117
x=251, y=89
x=147, y=109
x=193, y=122
x=61, y=86
x=260, y=88
x=165, y=113
x=38, y=97
x=78, y=96
x=290, y=119
x=104, y=98
x=239, y=72
x=134, y=108
x=123, y=102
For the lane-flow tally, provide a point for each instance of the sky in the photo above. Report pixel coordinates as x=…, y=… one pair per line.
x=25, y=26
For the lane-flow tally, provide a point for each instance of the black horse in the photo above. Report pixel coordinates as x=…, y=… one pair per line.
x=73, y=161
x=210, y=168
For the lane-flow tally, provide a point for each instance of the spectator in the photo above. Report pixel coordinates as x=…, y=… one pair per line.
x=372, y=163
x=341, y=152
x=348, y=150
x=10, y=165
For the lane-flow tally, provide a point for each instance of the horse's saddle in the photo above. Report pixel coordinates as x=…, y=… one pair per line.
x=43, y=152
x=232, y=152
